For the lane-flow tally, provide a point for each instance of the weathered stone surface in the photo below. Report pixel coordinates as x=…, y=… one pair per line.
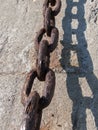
x=75, y=102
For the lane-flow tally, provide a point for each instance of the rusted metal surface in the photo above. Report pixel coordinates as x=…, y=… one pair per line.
x=33, y=103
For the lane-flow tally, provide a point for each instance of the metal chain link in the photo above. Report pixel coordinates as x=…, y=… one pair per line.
x=33, y=103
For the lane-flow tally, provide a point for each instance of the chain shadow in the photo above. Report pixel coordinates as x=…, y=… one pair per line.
x=84, y=68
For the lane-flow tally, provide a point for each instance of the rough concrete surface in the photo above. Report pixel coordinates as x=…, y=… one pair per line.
x=75, y=102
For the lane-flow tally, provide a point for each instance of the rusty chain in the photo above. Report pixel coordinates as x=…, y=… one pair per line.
x=33, y=103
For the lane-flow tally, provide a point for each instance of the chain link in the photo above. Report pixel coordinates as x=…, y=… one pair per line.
x=33, y=103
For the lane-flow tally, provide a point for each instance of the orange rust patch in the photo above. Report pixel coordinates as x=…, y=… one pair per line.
x=55, y=58
x=47, y=126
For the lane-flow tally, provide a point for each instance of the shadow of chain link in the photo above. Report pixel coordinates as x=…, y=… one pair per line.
x=84, y=68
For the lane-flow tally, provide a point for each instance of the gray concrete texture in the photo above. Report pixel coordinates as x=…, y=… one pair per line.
x=75, y=102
